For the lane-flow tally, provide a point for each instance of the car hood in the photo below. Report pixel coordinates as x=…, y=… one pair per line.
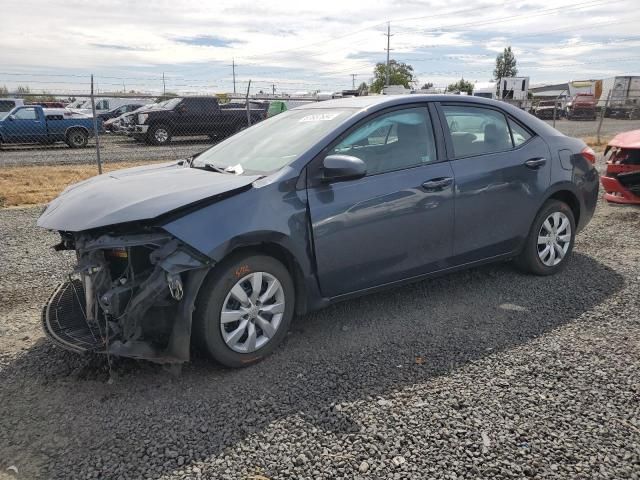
x=134, y=194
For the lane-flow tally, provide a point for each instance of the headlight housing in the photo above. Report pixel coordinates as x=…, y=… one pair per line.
x=142, y=117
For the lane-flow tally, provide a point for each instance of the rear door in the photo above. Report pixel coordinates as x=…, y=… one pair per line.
x=397, y=221
x=501, y=172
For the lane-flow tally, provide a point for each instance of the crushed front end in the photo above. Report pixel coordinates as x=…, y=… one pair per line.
x=621, y=180
x=129, y=295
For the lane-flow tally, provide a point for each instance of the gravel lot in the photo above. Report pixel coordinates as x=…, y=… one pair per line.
x=115, y=148
x=487, y=373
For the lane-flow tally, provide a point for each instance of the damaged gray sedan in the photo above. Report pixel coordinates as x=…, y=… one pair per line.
x=313, y=206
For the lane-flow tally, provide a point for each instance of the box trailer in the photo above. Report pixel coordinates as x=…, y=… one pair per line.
x=621, y=96
x=515, y=90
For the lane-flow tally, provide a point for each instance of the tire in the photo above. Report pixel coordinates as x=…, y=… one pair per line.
x=77, y=138
x=239, y=272
x=159, y=134
x=532, y=258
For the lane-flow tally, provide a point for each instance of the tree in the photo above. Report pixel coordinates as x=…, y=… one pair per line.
x=461, y=86
x=426, y=86
x=505, y=65
x=24, y=92
x=363, y=89
x=400, y=73
x=4, y=91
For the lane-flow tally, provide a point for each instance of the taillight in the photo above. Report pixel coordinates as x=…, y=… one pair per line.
x=589, y=154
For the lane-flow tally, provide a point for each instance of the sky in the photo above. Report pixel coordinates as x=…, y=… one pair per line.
x=296, y=46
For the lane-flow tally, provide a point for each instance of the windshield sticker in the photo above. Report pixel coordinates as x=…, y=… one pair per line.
x=319, y=117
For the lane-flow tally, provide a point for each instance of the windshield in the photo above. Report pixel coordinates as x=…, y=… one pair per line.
x=169, y=104
x=272, y=143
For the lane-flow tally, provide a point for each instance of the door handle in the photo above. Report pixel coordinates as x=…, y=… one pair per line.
x=535, y=163
x=437, y=184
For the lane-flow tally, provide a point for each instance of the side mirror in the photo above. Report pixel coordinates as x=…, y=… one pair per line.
x=11, y=117
x=182, y=109
x=336, y=168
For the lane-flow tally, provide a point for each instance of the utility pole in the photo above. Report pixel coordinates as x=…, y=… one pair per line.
x=353, y=80
x=273, y=89
x=388, y=34
x=164, y=86
x=233, y=69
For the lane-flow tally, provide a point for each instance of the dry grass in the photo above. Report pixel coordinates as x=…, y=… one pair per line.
x=39, y=184
x=593, y=142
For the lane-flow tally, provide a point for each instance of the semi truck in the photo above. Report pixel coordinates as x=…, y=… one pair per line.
x=621, y=97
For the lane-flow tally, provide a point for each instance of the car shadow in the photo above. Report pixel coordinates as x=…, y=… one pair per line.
x=58, y=408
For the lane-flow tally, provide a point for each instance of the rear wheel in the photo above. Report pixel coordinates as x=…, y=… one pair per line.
x=77, y=138
x=244, y=309
x=550, y=241
x=159, y=135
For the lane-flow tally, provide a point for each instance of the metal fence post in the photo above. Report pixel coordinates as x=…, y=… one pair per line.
x=555, y=107
x=247, y=100
x=603, y=112
x=95, y=128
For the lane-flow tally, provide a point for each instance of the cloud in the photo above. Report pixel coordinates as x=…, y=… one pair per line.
x=301, y=45
x=207, y=41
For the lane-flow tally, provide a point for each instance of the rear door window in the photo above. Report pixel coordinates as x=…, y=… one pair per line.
x=477, y=130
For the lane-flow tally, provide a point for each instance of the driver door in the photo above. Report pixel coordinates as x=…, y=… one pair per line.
x=392, y=224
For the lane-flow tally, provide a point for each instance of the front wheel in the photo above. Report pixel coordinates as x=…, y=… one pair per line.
x=550, y=241
x=244, y=309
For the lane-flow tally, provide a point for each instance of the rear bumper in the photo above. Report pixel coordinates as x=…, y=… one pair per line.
x=615, y=192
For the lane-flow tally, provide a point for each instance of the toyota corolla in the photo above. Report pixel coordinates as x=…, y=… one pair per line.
x=316, y=205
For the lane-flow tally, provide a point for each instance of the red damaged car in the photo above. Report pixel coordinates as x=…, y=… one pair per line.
x=621, y=181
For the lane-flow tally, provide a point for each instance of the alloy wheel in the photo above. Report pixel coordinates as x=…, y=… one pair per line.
x=554, y=239
x=161, y=135
x=252, y=312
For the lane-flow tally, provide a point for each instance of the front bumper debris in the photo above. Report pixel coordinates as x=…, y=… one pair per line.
x=129, y=296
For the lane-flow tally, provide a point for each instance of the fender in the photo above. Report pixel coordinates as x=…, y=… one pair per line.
x=77, y=127
x=216, y=232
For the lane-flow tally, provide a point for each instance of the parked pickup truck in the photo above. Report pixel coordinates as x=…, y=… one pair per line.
x=582, y=105
x=34, y=124
x=191, y=116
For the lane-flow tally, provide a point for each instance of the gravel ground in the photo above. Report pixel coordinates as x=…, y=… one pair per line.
x=115, y=148
x=487, y=373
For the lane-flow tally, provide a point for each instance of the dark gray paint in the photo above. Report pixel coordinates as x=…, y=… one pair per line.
x=349, y=237
x=135, y=194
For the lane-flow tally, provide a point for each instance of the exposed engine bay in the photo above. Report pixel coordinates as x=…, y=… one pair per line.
x=129, y=295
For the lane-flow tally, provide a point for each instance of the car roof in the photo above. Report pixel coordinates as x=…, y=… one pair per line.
x=390, y=100
x=369, y=104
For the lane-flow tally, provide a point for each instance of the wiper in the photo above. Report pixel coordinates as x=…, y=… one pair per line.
x=209, y=166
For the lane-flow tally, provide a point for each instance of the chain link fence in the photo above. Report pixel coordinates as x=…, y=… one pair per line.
x=61, y=129
x=92, y=129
